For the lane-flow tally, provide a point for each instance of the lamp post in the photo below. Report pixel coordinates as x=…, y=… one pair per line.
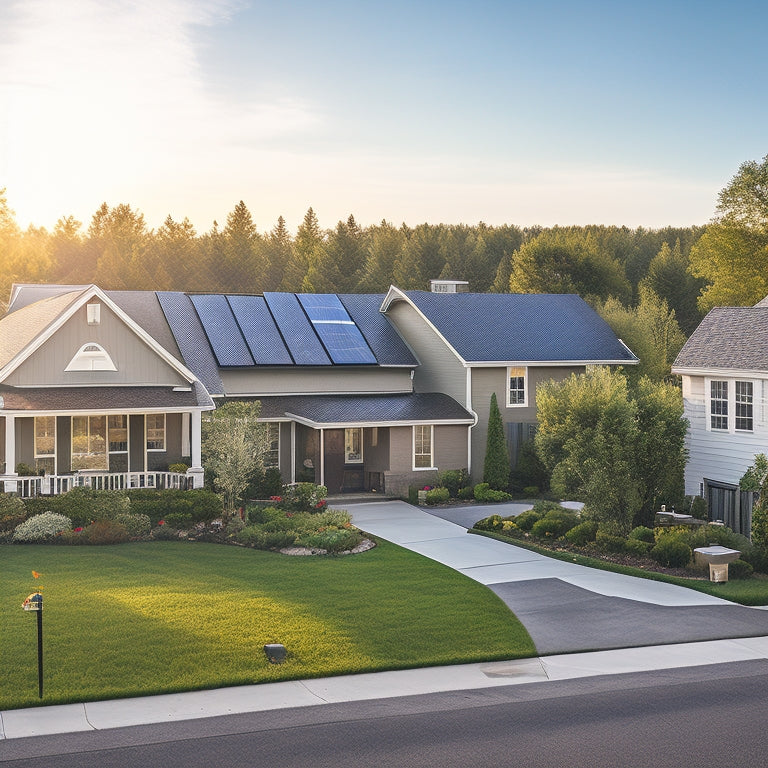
x=35, y=603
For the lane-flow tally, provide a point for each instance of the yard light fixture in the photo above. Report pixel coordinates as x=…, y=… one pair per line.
x=35, y=603
x=276, y=653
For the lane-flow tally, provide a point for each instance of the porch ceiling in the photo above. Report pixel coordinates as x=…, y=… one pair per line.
x=322, y=411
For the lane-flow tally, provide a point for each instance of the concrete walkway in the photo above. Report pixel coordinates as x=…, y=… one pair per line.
x=553, y=599
x=565, y=607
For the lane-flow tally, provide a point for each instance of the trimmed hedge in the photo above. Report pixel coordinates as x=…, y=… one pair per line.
x=191, y=507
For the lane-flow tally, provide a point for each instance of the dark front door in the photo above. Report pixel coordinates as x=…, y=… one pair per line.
x=334, y=459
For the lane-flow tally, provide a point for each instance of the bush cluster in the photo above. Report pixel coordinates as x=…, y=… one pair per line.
x=40, y=528
x=484, y=493
x=438, y=496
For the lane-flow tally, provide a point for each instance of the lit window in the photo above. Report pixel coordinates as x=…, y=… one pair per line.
x=272, y=441
x=353, y=445
x=118, y=434
x=45, y=443
x=155, y=426
x=516, y=384
x=422, y=446
x=91, y=357
x=743, y=410
x=718, y=405
x=89, y=442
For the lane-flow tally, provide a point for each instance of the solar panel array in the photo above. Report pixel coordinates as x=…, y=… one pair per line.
x=298, y=333
x=258, y=327
x=222, y=330
x=338, y=333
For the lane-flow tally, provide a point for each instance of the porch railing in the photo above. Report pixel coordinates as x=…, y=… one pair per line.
x=53, y=485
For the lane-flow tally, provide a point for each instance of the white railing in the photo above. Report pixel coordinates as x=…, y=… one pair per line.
x=53, y=485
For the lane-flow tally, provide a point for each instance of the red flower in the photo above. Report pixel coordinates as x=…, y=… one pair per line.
x=275, y=498
x=320, y=504
x=77, y=530
x=289, y=514
x=161, y=522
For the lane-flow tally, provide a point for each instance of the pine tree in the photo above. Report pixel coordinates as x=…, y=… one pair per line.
x=497, y=463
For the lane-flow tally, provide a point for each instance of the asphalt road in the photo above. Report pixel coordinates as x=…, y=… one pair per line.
x=703, y=716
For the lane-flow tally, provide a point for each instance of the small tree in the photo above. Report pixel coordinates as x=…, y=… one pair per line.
x=496, y=467
x=234, y=444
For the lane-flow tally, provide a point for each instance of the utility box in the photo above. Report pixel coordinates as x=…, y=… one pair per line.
x=717, y=558
x=718, y=572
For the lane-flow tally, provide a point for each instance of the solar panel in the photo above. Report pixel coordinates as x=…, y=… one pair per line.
x=261, y=334
x=340, y=336
x=190, y=338
x=222, y=330
x=297, y=331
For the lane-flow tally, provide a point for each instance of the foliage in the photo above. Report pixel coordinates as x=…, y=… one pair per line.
x=179, y=467
x=265, y=483
x=233, y=446
x=136, y=525
x=438, y=496
x=333, y=540
x=637, y=547
x=740, y=569
x=12, y=511
x=642, y=533
x=672, y=552
x=582, y=533
x=483, y=492
x=490, y=523
x=529, y=471
x=304, y=497
x=466, y=493
x=496, y=467
x=619, y=451
x=760, y=518
x=453, y=480
x=755, y=475
x=24, y=470
x=44, y=527
x=554, y=524
x=525, y=520
x=697, y=507
x=107, y=532
x=83, y=505
x=609, y=542
x=201, y=504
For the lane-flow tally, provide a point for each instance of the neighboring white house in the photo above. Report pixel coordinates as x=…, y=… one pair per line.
x=724, y=368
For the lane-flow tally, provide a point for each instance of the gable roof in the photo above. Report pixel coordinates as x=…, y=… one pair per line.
x=498, y=328
x=734, y=338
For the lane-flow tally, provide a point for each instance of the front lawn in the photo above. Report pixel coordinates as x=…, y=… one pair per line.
x=145, y=618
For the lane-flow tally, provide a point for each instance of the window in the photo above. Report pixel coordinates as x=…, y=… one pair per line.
x=516, y=386
x=272, y=441
x=422, y=446
x=118, y=434
x=718, y=404
x=155, y=427
x=353, y=445
x=91, y=357
x=45, y=443
x=89, y=442
x=743, y=410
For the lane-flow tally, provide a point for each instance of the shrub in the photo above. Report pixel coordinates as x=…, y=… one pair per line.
x=261, y=539
x=483, y=492
x=256, y=515
x=610, y=543
x=757, y=557
x=542, y=506
x=44, y=527
x=438, y=496
x=697, y=506
x=336, y=518
x=331, y=539
x=136, y=525
x=491, y=523
x=203, y=505
x=24, y=470
x=84, y=505
x=496, y=467
x=304, y=497
x=642, y=533
x=638, y=547
x=12, y=512
x=509, y=528
x=165, y=533
x=582, y=533
x=672, y=552
x=182, y=521
x=531, y=490
x=466, y=493
x=107, y=532
x=529, y=472
x=554, y=525
x=453, y=480
x=525, y=520
x=740, y=569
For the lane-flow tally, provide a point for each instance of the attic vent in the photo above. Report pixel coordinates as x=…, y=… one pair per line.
x=91, y=357
x=94, y=313
x=448, y=286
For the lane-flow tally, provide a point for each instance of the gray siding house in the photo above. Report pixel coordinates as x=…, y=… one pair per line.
x=724, y=370
x=360, y=392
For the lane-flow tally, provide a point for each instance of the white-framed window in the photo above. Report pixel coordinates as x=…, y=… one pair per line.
x=89, y=442
x=353, y=445
x=117, y=430
x=155, y=431
x=743, y=412
x=45, y=443
x=272, y=441
x=517, y=386
x=423, y=446
x=91, y=357
x=731, y=406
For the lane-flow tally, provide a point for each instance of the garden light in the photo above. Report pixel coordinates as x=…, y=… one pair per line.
x=276, y=653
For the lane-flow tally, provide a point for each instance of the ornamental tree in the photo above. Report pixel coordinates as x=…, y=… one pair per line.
x=497, y=462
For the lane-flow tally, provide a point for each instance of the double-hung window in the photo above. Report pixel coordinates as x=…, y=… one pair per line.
x=718, y=405
x=423, y=446
x=155, y=426
x=45, y=443
x=743, y=410
x=731, y=406
x=516, y=386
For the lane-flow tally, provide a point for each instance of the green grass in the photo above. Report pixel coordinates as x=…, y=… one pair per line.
x=146, y=618
x=752, y=591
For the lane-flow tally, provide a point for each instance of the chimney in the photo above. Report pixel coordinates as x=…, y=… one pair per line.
x=449, y=286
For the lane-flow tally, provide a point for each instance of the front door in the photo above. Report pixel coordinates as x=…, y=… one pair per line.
x=333, y=440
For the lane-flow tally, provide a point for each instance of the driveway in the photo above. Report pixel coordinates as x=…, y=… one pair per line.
x=564, y=606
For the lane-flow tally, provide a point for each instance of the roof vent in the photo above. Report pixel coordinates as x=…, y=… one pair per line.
x=448, y=286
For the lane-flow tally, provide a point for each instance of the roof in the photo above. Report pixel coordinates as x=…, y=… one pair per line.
x=728, y=338
x=525, y=328
x=320, y=411
x=103, y=398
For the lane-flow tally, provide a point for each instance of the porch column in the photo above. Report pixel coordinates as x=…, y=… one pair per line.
x=293, y=451
x=196, y=471
x=10, y=452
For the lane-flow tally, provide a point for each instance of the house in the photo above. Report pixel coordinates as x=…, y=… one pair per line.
x=359, y=392
x=724, y=369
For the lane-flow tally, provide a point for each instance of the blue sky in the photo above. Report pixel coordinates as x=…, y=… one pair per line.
x=506, y=112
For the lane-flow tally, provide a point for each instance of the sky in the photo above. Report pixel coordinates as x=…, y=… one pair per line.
x=513, y=112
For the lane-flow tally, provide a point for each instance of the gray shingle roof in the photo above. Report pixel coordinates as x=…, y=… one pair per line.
x=433, y=407
x=729, y=337
x=507, y=327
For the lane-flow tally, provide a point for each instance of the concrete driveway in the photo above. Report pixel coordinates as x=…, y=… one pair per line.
x=564, y=606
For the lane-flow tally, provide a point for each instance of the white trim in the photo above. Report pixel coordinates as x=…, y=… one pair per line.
x=722, y=373
x=55, y=454
x=84, y=356
x=731, y=405
x=524, y=404
x=414, y=468
x=345, y=424
x=105, y=411
x=547, y=363
x=304, y=393
x=87, y=294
